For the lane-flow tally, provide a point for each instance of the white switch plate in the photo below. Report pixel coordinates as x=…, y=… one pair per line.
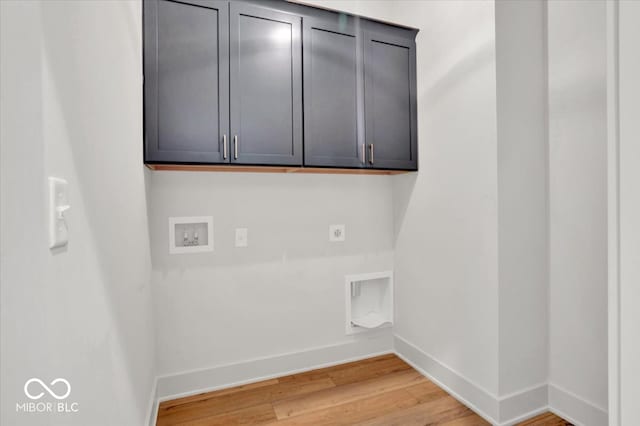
x=336, y=233
x=242, y=237
x=58, y=205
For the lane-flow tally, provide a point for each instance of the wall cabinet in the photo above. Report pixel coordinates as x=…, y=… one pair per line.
x=390, y=99
x=186, y=80
x=224, y=85
x=266, y=86
x=333, y=102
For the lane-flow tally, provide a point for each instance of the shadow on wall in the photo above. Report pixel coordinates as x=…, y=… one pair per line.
x=403, y=188
x=97, y=93
x=457, y=71
x=444, y=80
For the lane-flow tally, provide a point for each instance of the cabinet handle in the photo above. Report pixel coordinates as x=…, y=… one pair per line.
x=370, y=153
x=235, y=147
x=364, y=154
x=224, y=146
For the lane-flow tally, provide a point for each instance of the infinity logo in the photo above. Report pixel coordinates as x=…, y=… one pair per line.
x=52, y=393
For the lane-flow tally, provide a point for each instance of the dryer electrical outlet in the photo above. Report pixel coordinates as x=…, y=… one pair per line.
x=337, y=233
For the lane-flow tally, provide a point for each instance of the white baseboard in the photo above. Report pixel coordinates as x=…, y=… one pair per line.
x=224, y=376
x=473, y=396
x=526, y=416
x=503, y=411
x=575, y=409
x=524, y=404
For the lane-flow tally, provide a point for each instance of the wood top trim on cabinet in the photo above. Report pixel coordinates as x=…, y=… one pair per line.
x=269, y=169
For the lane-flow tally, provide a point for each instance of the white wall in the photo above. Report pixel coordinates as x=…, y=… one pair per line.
x=471, y=247
x=499, y=239
x=70, y=107
x=522, y=194
x=445, y=224
x=471, y=230
x=578, y=215
x=374, y=9
x=446, y=215
x=629, y=210
x=473, y=317
x=285, y=292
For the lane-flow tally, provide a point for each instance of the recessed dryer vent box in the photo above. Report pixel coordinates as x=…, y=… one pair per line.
x=369, y=300
x=190, y=234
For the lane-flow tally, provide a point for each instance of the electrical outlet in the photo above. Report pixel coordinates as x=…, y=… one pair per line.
x=336, y=233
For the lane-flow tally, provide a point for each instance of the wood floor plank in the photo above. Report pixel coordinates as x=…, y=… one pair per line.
x=358, y=364
x=545, y=419
x=426, y=391
x=288, y=389
x=379, y=391
x=353, y=412
x=365, y=371
x=304, y=377
x=470, y=420
x=256, y=415
x=222, y=402
x=437, y=411
x=346, y=393
x=214, y=407
x=209, y=395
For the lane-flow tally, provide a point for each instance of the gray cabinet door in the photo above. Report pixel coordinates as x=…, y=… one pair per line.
x=186, y=80
x=333, y=99
x=390, y=100
x=266, y=86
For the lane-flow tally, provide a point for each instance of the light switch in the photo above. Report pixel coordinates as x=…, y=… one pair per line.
x=336, y=233
x=58, y=206
x=242, y=237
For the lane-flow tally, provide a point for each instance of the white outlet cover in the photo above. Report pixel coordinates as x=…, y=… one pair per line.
x=242, y=237
x=336, y=233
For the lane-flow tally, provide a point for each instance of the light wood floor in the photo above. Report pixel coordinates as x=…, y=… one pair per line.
x=377, y=391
